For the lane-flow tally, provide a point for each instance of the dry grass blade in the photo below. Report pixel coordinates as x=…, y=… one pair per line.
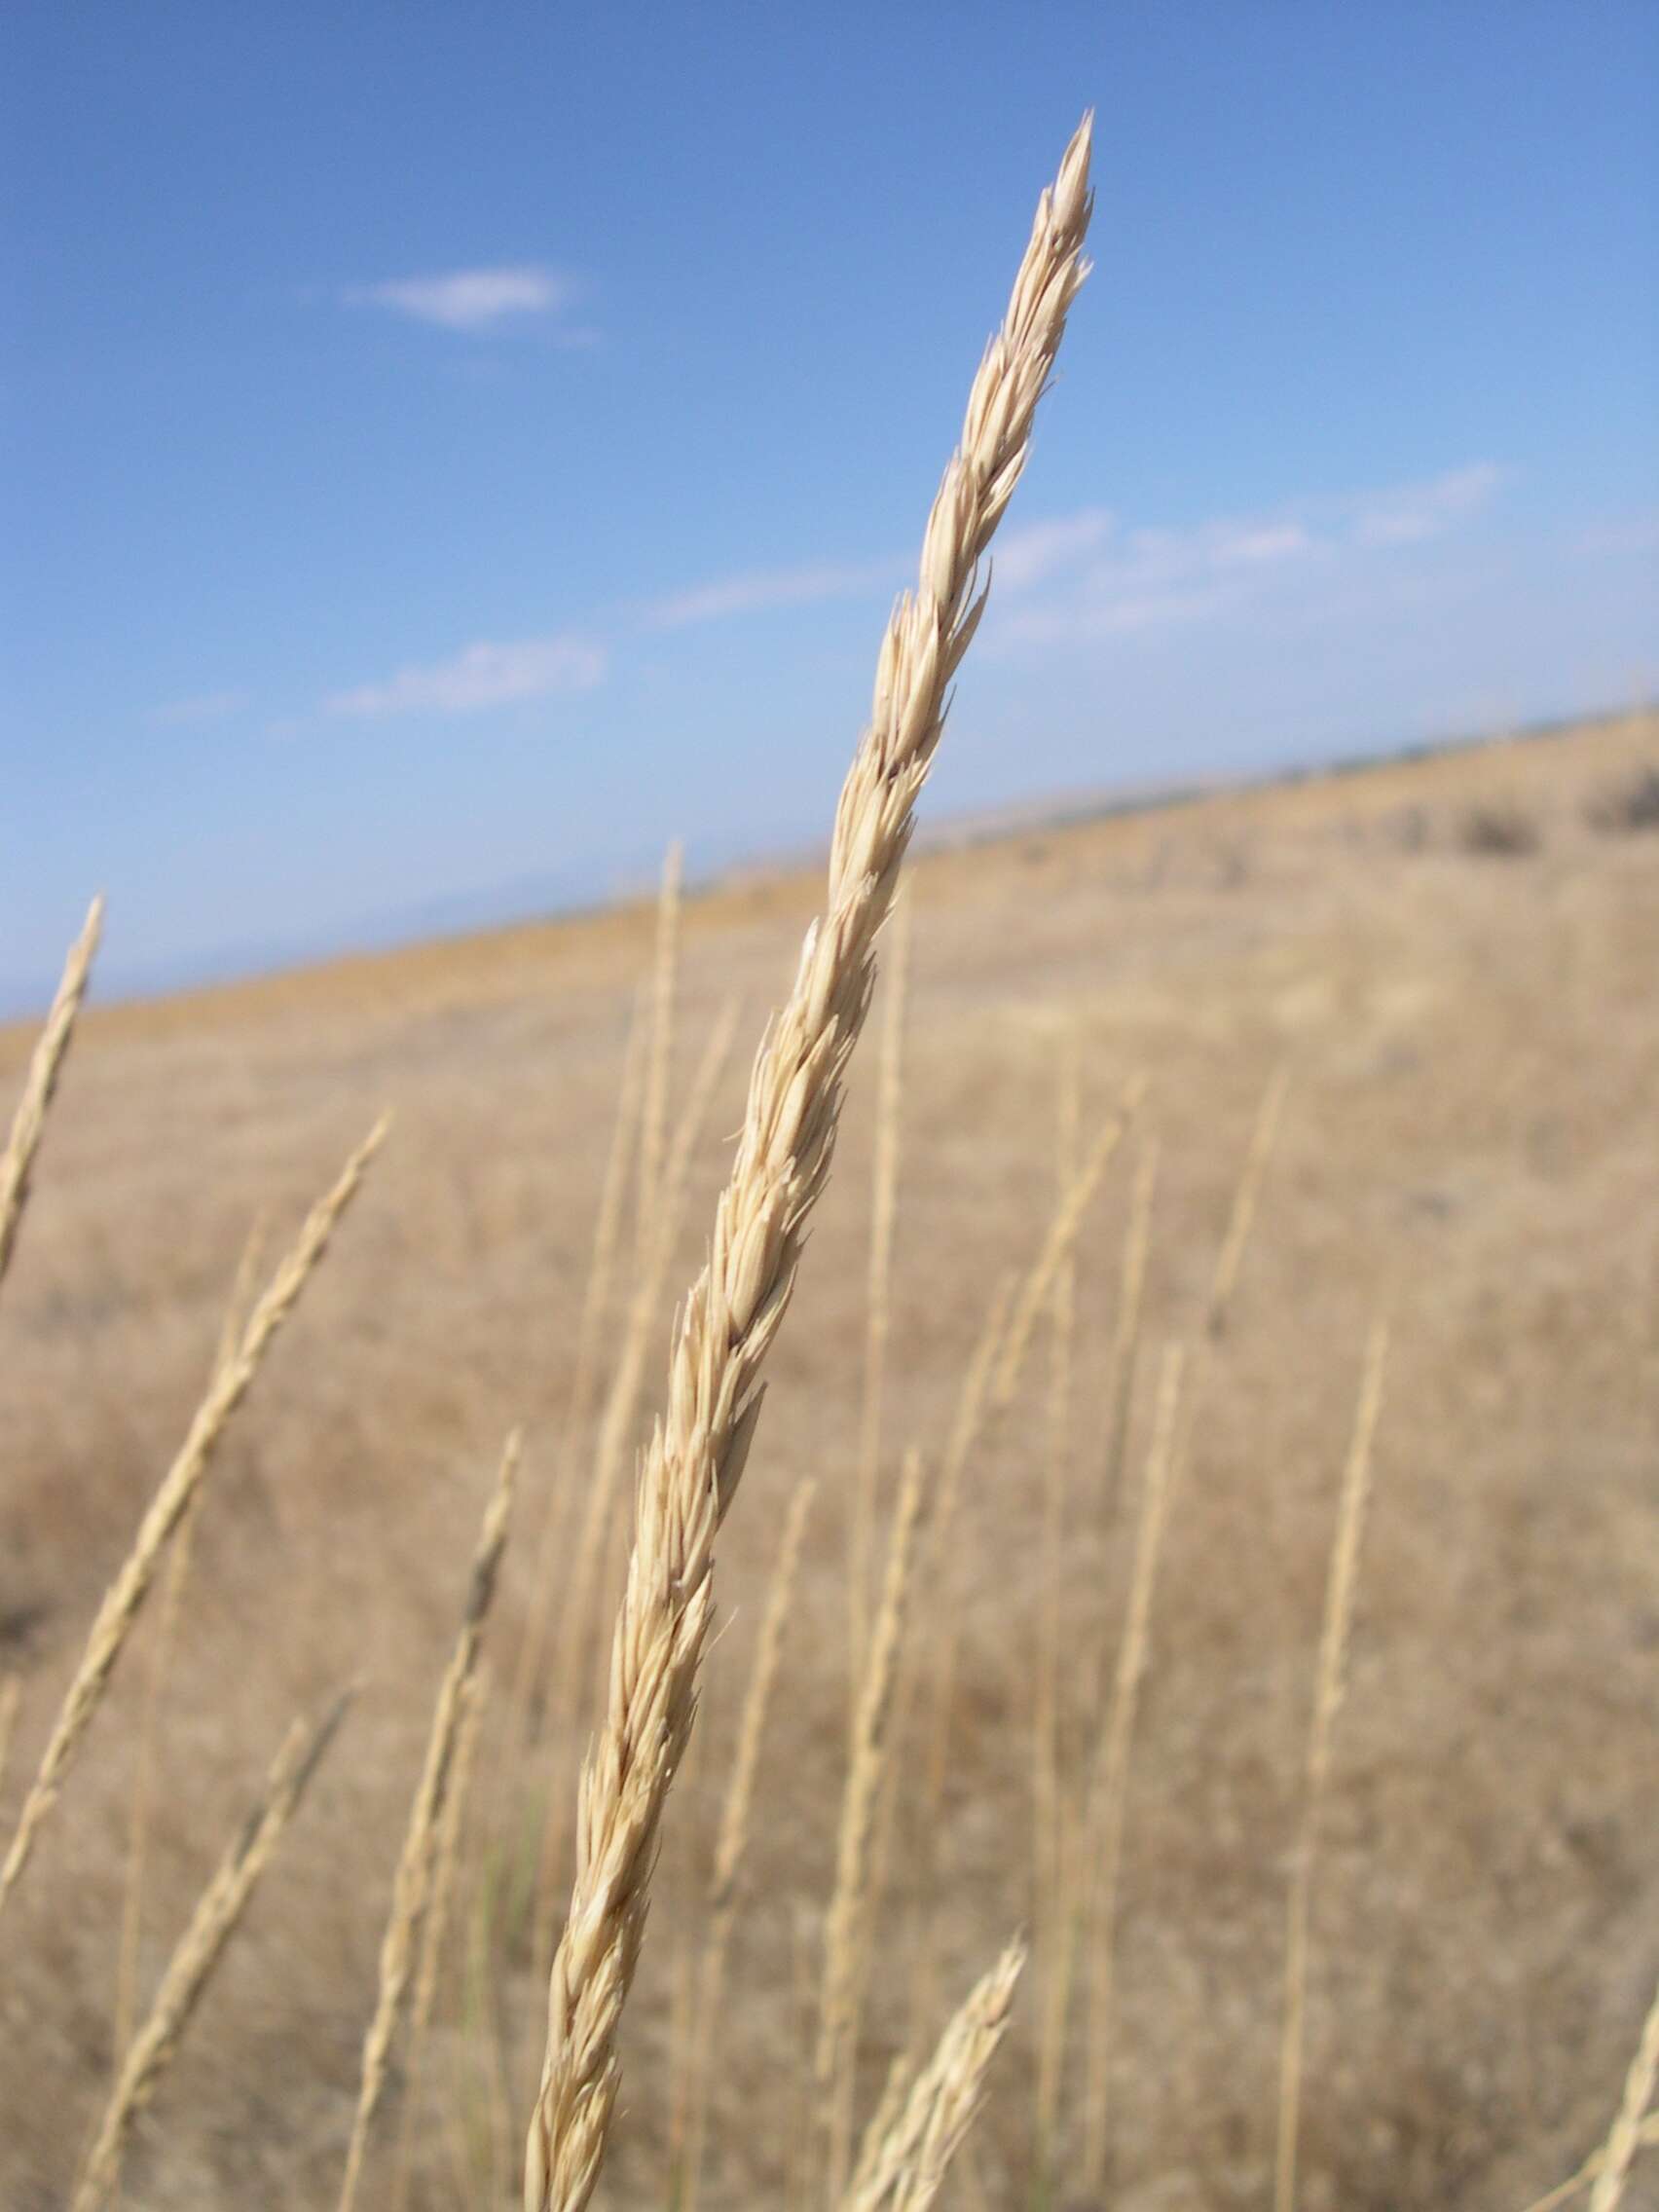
x=734, y=1832
x=178, y=1485
x=1039, y=1284
x=884, y=1207
x=1333, y=1654
x=694, y=1462
x=218, y=1910
x=903, y=2168
x=412, y=1884
x=1247, y=1198
x=45, y=1067
x=1109, y=1791
x=1618, y=2153
x=846, y=1925
x=231, y=1328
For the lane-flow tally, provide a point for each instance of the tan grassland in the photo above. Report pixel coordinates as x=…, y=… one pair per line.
x=1467, y=1050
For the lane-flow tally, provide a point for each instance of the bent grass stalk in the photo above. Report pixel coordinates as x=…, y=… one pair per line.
x=1620, y=2151
x=694, y=1462
x=412, y=1882
x=1646, y=2136
x=45, y=1065
x=178, y=1485
x=218, y=1911
x=1327, y=1698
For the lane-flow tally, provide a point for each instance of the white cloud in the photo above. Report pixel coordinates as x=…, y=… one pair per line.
x=1103, y=581
x=1412, y=512
x=761, y=588
x=468, y=299
x=483, y=676
x=209, y=707
x=1025, y=557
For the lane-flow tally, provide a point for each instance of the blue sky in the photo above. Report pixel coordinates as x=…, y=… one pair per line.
x=448, y=449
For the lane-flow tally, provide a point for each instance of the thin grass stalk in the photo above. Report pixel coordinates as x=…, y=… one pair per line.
x=231, y=1325
x=694, y=1462
x=1247, y=1198
x=653, y=1117
x=1109, y=1791
x=137, y=1572
x=1051, y=1847
x=1126, y=1331
x=434, y=1925
x=1327, y=1698
x=45, y=1065
x=11, y=1697
x=596, y=1301
x=413, y=1881
x=846, y=1924
x=848, y=1921
x=945, y=1568
x=1646, y=2136
x=902, y=2169
x=1618, y=2153
x=878, y=1303
x=584, y=1583
x=218, y=1911
x=733, y=1835
x=1039, y=1284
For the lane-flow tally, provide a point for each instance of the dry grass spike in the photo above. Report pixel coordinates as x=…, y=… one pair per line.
x=694, y=1462
x=902, y=2169
x=127, y=1593
x=413, y=1882
x=45, y=1067
x=214, y=1921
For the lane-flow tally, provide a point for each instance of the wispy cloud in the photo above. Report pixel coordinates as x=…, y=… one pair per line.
x=209, y=706
x=1102, y=580
x=468, y=299
x=483, y=676
x=761, y=588
x=1412, y=512
x=1025, y=557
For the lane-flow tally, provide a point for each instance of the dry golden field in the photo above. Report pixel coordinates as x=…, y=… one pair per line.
x=1470, y=1042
